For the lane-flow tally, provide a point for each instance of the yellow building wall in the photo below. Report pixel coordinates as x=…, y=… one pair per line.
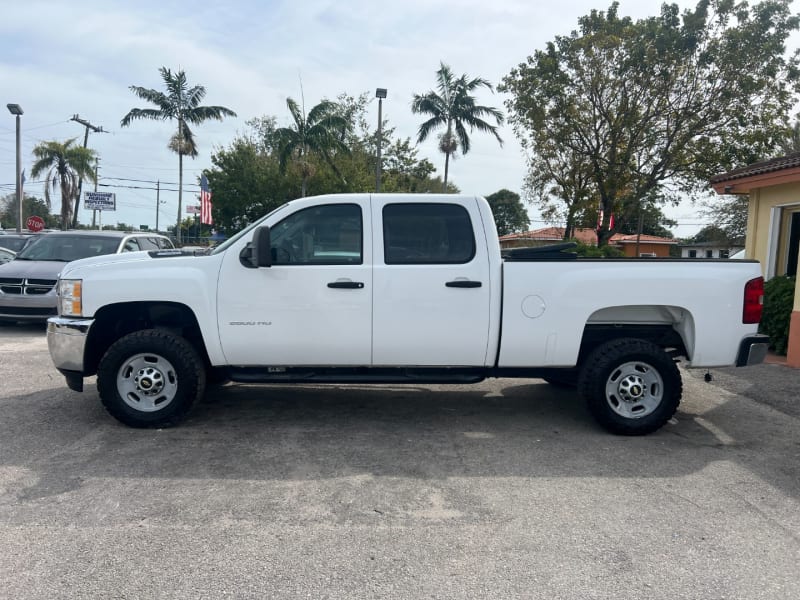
x=762, y=201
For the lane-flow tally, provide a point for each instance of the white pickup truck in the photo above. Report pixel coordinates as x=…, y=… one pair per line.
x=382, y=288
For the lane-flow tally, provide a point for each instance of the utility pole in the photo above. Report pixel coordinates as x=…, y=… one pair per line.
x=158, y=200
x=94, y=212
x=639, y=230
x=96, y=129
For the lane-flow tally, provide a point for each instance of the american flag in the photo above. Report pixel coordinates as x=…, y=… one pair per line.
x=205, y=202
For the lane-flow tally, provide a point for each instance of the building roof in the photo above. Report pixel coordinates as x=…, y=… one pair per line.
x=776, y=171
x=765, y=166
x=619, y=238
x=584, y=235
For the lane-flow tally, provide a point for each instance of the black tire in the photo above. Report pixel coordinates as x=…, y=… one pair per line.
x=150, y=378
x=631, y=386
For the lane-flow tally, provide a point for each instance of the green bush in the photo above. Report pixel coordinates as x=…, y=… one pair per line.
x=778, y=303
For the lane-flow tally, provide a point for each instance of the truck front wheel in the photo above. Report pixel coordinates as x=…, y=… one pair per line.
x=150, y=378
x=631, y=386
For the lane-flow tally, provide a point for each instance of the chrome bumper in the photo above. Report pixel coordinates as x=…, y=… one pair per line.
x=66, y=339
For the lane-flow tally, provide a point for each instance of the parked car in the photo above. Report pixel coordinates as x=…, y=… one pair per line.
x=6, y=255
x=28, y=283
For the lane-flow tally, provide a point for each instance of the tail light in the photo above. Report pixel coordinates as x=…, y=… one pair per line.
x=753, y=300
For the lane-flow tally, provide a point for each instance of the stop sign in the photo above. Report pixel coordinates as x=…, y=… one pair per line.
x=35, y=223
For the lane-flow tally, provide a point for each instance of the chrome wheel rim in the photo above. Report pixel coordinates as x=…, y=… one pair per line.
x=634, y=389
x=147, y=382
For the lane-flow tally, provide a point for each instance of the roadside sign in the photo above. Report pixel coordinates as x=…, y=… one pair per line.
x=35, y=223
x=100, y=200
x=192, y=210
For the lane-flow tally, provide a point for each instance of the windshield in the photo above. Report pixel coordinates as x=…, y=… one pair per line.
x=66, y=248
x=224, y=245
x=13, y=243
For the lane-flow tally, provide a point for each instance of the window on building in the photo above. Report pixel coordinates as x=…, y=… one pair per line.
x=427, y=234
x=692, y=253
x=709, y=254
x=723, y=254
x=794, y=244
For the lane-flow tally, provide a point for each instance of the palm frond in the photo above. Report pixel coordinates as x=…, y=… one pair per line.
x=195, y=96
x=151, y=114
x=152, y=96
x=296, y=113
x=204, y=113
x=428, y=126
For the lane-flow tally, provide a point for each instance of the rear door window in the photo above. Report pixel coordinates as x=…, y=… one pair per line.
x=427, y=234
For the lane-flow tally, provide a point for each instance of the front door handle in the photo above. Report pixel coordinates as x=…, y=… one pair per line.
x=346, y=285
x=464, y=283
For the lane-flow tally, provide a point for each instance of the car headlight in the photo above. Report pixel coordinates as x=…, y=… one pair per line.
x=70, y=297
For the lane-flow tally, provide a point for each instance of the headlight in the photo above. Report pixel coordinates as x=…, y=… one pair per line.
x=70, y=297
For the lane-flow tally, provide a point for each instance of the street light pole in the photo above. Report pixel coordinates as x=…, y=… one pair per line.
x=380, y=94
x=16, y=109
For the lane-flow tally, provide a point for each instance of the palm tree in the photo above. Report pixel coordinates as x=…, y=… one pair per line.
x=182, y=104
x=65, y=164
x=321, y=133
x=454, y=108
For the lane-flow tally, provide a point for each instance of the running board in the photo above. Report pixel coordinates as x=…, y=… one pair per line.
x=356, y=375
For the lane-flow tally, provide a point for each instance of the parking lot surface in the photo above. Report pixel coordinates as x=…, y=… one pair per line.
x=506, y=489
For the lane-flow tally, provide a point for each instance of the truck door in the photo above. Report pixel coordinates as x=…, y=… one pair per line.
x=313, y=306
x=431, y=283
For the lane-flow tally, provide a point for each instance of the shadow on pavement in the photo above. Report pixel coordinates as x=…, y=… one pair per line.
x=291, y=433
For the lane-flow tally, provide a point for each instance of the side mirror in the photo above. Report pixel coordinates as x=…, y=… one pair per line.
x=261, y=247
x=257, y=253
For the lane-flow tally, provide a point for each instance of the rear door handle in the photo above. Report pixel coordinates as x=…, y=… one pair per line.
x=346, y=285
x=464, y=283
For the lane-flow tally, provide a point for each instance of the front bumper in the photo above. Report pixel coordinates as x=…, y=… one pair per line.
x=752, y=350
x=66, y=340
x=28, y=308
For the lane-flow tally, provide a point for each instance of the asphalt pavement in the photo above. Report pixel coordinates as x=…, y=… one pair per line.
x=505, y=489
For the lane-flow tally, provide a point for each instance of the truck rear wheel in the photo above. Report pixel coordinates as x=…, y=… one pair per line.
x=150, y=378
x=631, y=386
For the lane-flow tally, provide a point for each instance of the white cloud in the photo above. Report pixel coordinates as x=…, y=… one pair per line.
x=58, y=59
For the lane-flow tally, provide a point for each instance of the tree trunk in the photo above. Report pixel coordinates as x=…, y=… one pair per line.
x=180, y=196
x=303, y=186
x=446, y=168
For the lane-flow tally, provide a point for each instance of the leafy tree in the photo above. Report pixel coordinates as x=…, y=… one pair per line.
x=791, y=141
x=319, y=134
x=30, y=206
x=181, y=103
x=247, y=184
x=729, y=213
x=63, y=164
x=453, y=107
x=653, y=221
x=510, y=215
x=661, y=103
x=557, y=172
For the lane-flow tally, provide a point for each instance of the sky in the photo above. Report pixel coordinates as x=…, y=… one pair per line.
x=59, y=59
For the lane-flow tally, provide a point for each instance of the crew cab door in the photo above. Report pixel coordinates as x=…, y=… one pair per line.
x=313, y=305
x=431, y=279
